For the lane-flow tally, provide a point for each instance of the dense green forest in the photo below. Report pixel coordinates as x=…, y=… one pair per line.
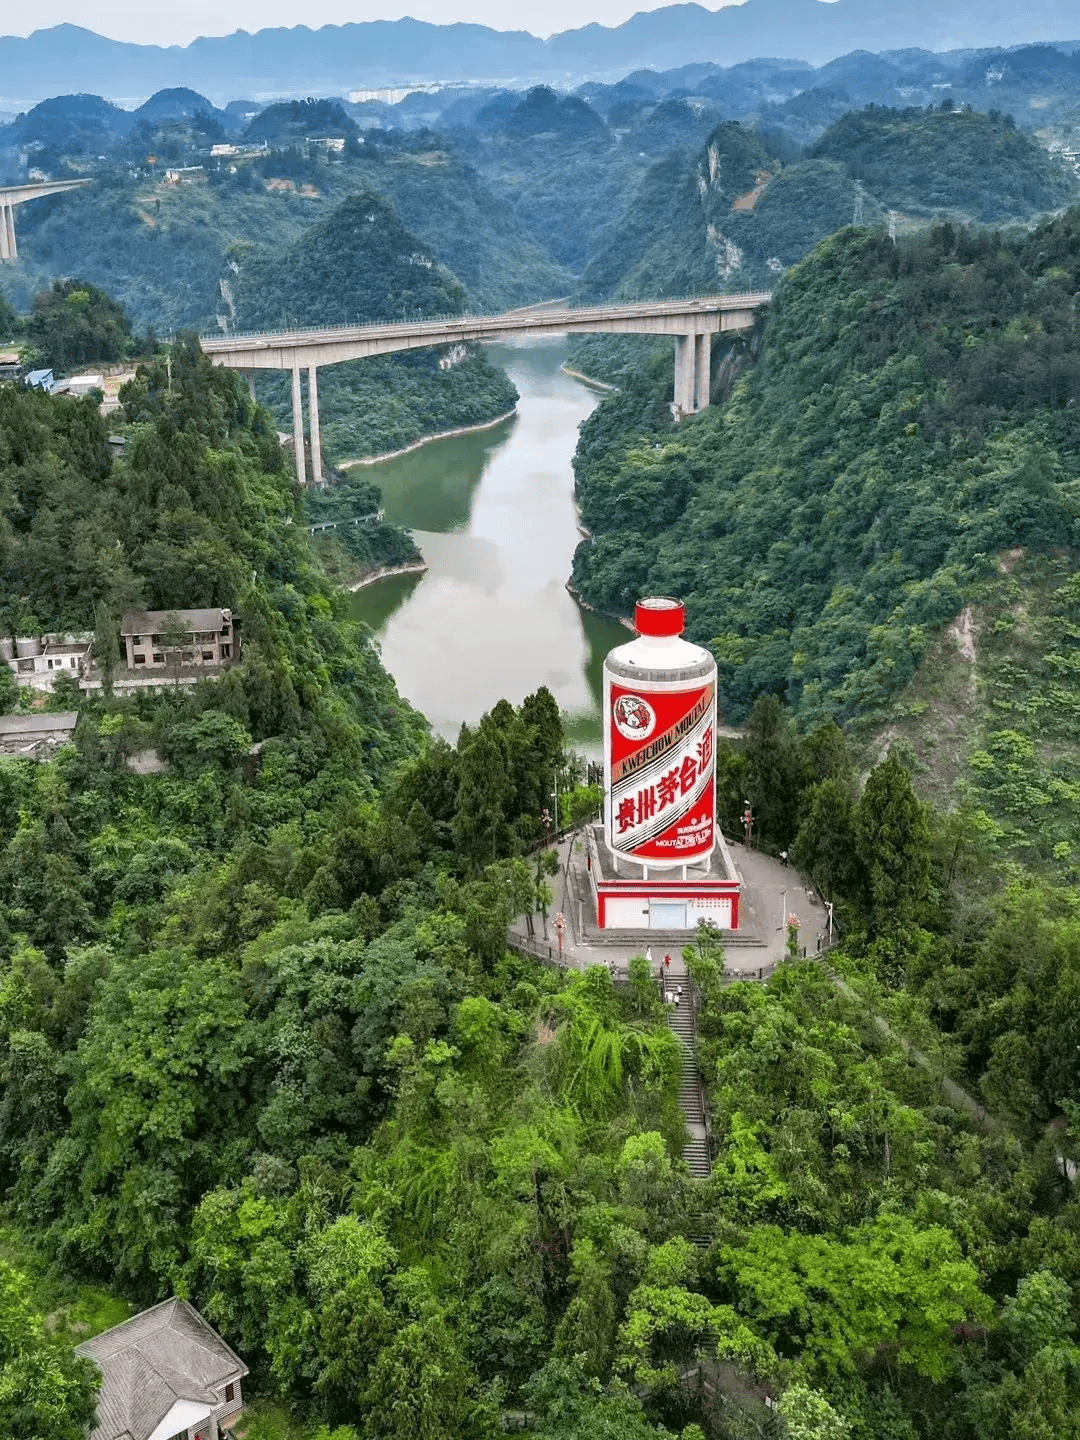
x=261, y=1040
x=900, y=453
x=261, y=1043
x=361, y=263
x=912, y=412
x=75, y=324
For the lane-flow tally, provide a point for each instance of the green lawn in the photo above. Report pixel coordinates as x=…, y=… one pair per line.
x=72, y=1310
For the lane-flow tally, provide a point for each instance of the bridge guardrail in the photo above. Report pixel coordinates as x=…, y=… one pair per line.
x=540, y=318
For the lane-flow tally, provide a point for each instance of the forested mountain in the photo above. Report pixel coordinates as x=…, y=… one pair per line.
x=737, y=214
x=912, y=411
x=161, y=247
x=261, y=1041
x=960, y=162
x=362, y=264
x=268, y=241
x=358, y=263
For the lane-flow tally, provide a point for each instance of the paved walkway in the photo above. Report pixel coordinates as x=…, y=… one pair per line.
x=771, y=891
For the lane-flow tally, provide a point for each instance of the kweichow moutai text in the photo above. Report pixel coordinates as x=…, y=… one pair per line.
x=663, y=792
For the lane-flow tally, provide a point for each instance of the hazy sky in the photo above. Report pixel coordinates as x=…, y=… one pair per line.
x=176, y=24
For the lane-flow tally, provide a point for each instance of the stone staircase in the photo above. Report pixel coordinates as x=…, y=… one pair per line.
x=680, y=1018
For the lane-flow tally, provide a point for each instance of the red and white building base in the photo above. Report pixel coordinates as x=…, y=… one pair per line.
x=629, y=895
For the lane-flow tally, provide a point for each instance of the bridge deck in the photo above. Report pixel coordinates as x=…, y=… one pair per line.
x=16, y=194
x=692, y=323
x=654, y=316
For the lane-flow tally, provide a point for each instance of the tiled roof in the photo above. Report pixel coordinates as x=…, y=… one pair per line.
x=166, y=1354
x=38, y=725
x=149, y=622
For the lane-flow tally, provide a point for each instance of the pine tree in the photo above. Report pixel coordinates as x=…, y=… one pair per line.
x=893, y=842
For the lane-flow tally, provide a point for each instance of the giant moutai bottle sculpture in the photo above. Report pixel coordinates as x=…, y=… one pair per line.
x=659, y=742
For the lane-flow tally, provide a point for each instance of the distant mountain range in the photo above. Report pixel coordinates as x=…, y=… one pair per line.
x=336, y=58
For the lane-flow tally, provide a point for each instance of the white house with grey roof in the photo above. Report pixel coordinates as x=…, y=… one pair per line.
x=166, y=1375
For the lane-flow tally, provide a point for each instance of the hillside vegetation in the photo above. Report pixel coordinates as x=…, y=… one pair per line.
x=740, y=211
x=161, y=248
x=1000, y=684
x=957, y=161
x=261, y=1043
x=361, y=264
x=913, y=411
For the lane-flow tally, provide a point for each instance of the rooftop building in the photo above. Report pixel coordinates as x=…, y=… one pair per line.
x=166, y=1375
x=36, y=737
x=162, y=638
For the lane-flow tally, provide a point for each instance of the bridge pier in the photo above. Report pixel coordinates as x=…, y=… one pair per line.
x=692, y=366
x=298, y=427
x=316, y=437
x=702, y=368
x=8, y=249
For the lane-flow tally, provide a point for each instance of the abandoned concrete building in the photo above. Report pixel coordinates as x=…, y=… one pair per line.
x=166, y=638
x=36, y=660
x=37, y=736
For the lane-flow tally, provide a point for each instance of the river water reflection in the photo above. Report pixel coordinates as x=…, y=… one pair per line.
x=493, y=514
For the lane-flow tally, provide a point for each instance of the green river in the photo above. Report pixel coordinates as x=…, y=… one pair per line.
x=493, y=513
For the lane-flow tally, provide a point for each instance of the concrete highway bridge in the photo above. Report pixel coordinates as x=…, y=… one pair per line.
x=692, y=323
x=12, y=195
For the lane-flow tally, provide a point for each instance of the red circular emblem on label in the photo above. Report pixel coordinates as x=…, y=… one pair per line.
x=635, y=719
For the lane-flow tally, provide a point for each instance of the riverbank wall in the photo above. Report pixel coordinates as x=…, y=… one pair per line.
x=619, y=619
x=589, y=380
x=414, y=567
x=426, y=440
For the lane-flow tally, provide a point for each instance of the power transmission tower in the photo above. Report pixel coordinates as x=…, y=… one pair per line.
x=892, y=226
x=857, y=218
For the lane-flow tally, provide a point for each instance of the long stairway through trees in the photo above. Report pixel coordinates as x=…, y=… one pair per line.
x=680, y=1017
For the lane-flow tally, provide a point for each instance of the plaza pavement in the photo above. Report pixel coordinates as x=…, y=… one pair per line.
x=771, y=890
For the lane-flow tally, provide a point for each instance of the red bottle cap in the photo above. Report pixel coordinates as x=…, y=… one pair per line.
x=659, y=615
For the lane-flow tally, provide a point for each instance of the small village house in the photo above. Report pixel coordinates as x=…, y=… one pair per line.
x=159, y=638
x=165, y=1375
x=37, y=736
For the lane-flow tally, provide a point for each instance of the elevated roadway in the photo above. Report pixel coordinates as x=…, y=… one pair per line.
x=12, y=195
x=691, y=322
